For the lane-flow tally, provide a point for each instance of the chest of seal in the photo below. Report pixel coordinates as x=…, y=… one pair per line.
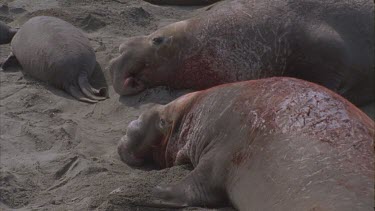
x=56, y=52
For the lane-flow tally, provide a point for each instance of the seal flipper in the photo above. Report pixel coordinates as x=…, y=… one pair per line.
x=88, y=90
x=9, y=62
x=76, y=92
x=193, y=190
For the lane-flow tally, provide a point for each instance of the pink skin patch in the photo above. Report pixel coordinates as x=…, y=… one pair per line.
x=132, y=85
x=130, y=82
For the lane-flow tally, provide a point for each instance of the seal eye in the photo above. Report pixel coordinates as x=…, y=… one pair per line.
x=157, y=40
x=162, y=123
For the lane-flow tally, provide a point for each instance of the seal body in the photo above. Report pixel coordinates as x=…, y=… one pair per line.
x=327, y=42
x=268, y=144
x=56, y=52
x=6, y=33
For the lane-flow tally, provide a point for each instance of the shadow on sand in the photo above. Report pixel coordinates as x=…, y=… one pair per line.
x=158, y=95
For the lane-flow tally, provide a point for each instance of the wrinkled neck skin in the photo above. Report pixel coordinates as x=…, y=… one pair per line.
x=222, y=50
x=173, y=148
x=204, y=119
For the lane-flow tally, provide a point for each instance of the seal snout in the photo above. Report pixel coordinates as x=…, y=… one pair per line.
x=132, y=85
x=123, y=74
x=126, y=154
x=130, y=147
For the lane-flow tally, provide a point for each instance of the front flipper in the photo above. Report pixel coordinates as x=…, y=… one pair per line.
x=197, y=189
x=11, y=61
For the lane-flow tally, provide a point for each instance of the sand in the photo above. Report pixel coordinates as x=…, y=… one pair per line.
x=60, y=154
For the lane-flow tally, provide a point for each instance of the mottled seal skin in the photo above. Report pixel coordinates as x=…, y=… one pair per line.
x=182, y=2
x=6, y=33
x=56, y=52
x=327, y=42
x=267, y=144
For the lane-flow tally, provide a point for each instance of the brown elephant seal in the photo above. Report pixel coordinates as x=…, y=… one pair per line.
x=56, y=52
x=6, y=33
x=327, y=42
x=182, y=2
x=267, y=144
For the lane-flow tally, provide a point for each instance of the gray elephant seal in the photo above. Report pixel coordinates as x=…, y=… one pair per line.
x=56, y=52
x=327, y=42
x=6, y=33
x=268, y=144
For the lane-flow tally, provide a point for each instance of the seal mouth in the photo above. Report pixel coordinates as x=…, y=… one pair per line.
x=131, y=82
x=132, y=85
x=124, y=78
x=128, y=157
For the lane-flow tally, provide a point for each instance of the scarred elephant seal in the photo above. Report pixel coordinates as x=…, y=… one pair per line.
x=56, y=52
x=327, y=42
x=6, y=33
x=267, y=144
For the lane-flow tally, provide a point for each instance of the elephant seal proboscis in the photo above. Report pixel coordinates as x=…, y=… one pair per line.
x=56, y=52
x=267, y=144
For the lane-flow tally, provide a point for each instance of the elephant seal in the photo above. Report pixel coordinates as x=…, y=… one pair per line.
x=268, y=144
x=6, y=33
x=327, y=42
x=182, y=2
x=56, y=52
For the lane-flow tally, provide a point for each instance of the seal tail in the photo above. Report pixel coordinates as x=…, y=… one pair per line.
x=76, y=92
x=90, y=91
